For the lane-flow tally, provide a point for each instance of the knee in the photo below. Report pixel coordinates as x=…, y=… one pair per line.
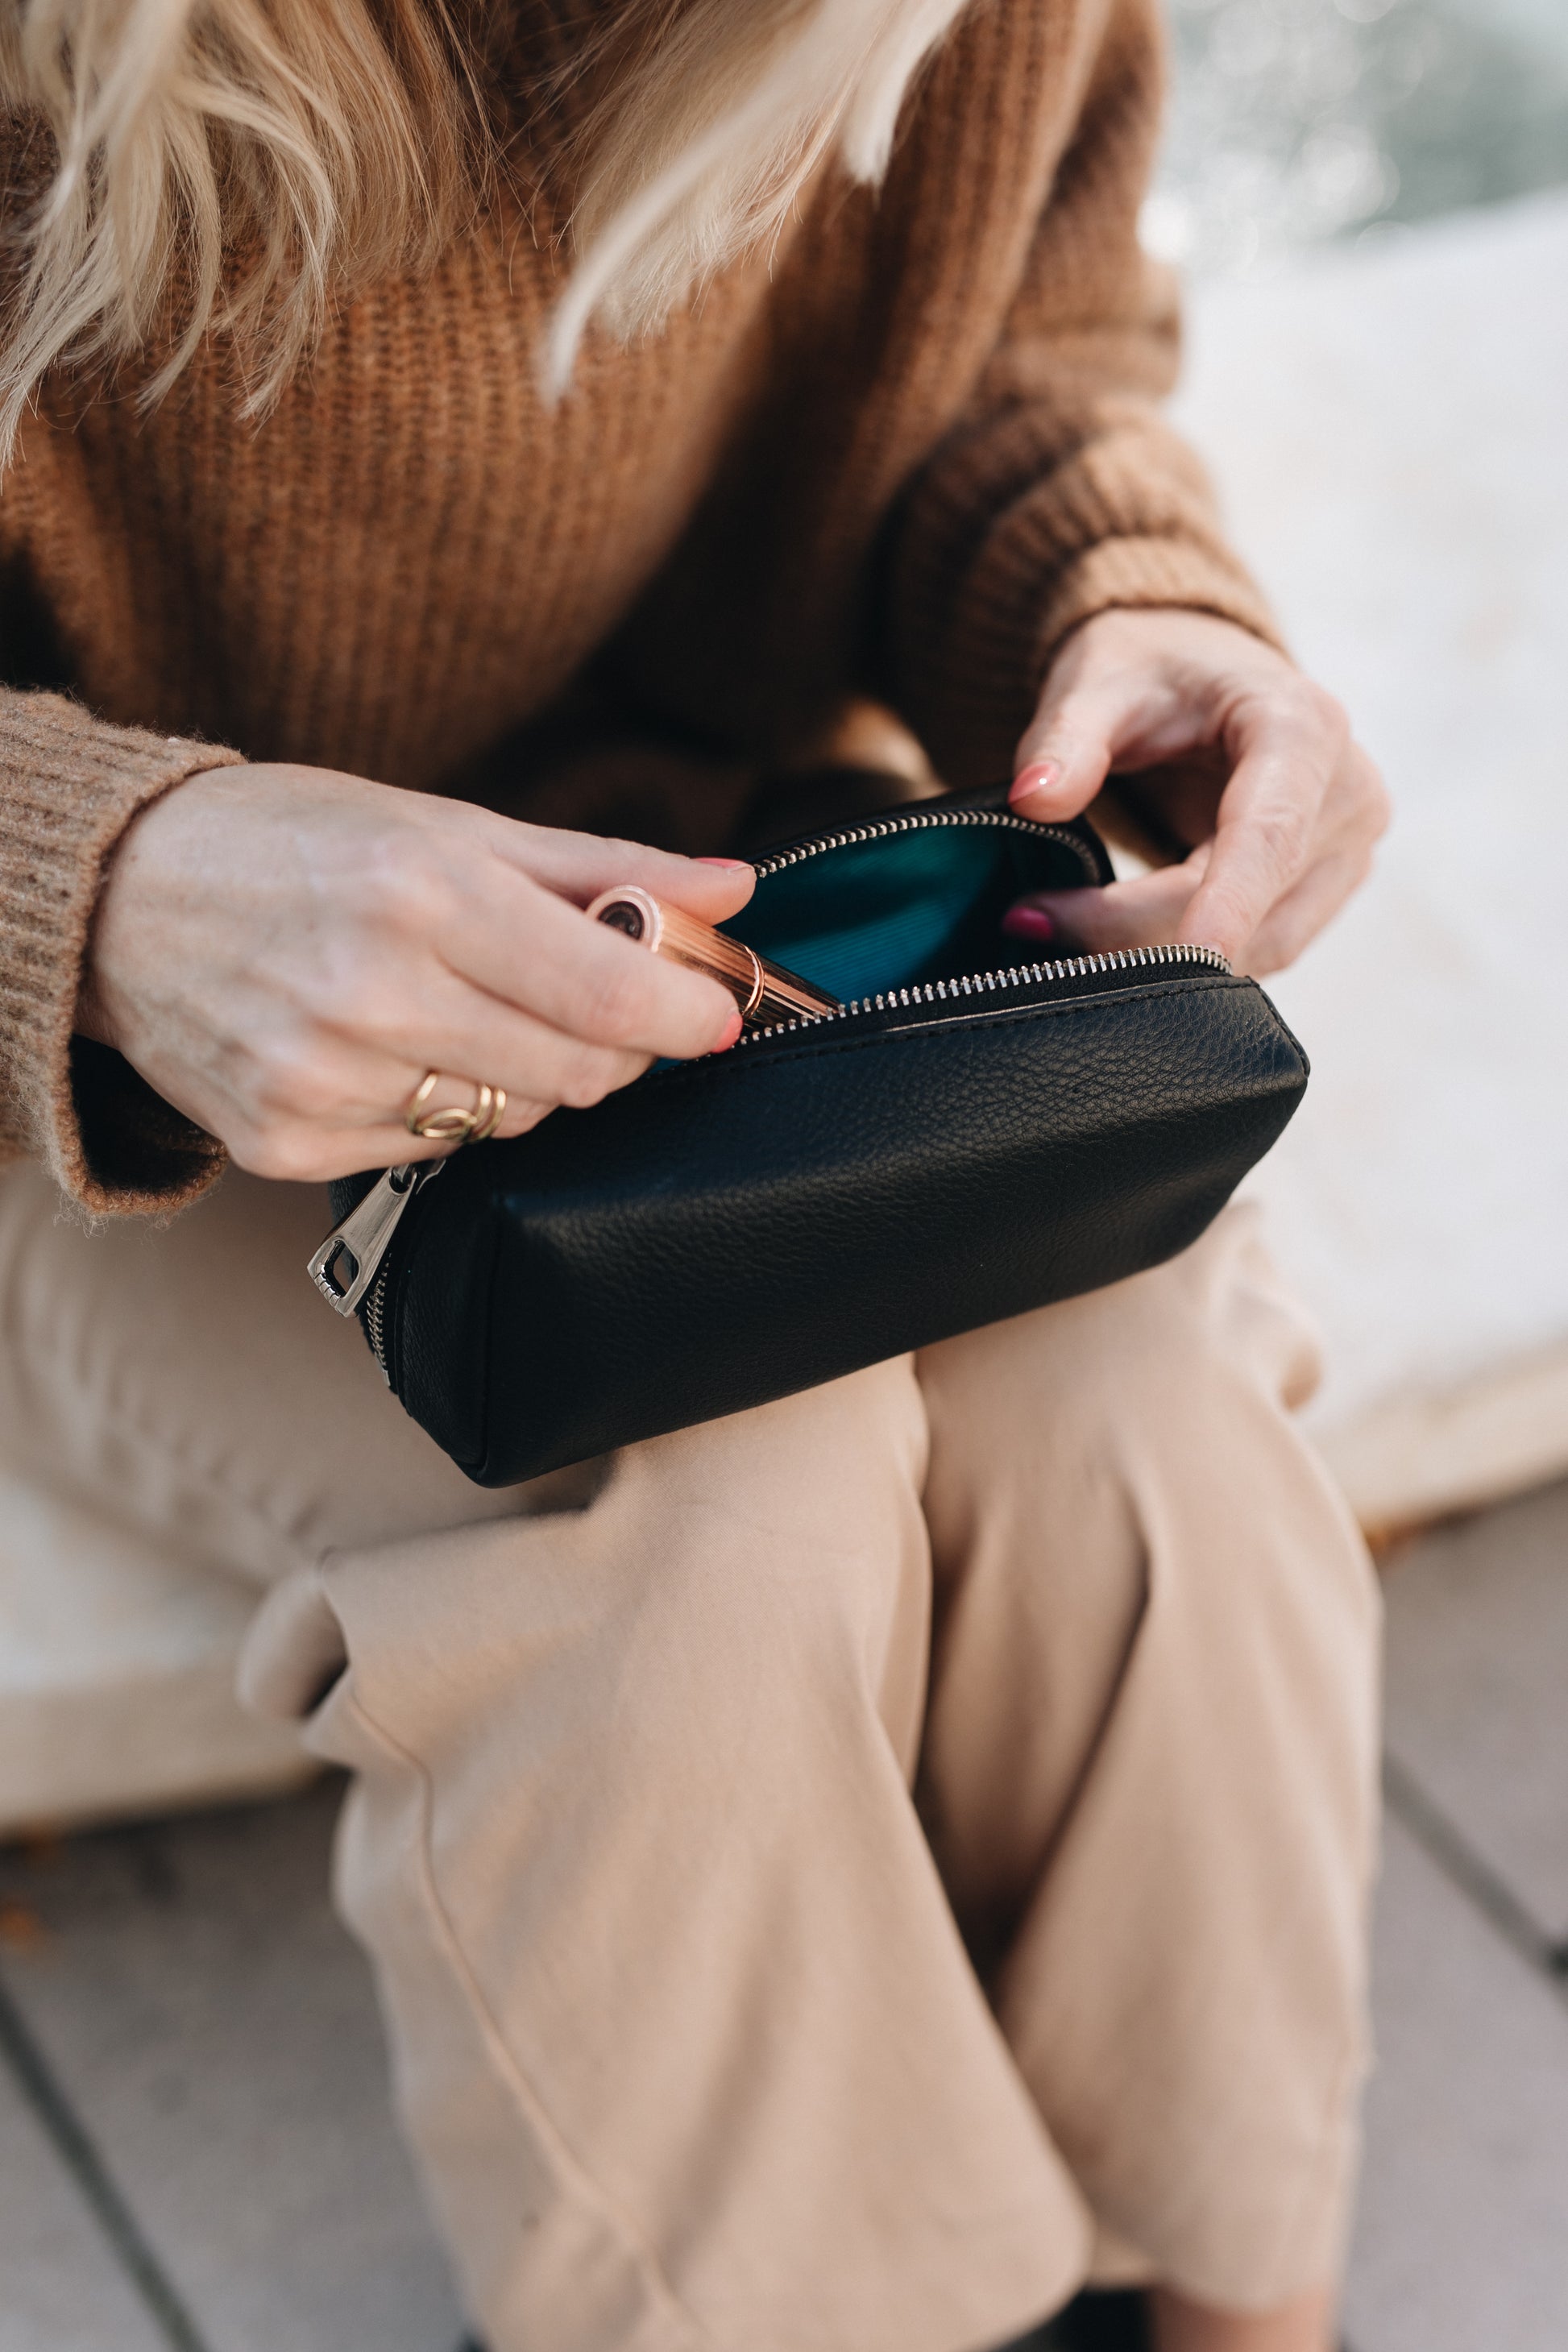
x=1150, y=1425
x=1219, y=1311
x=781, y=1553
x=1180, y=1342
x=715, y=1573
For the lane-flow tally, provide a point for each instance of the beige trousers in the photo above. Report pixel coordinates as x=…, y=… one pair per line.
x=828, y=1872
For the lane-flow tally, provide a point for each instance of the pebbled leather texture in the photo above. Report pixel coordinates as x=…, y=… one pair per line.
x=729, y=1231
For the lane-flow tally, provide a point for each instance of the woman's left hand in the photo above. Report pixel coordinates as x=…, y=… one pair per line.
x=1275, y=802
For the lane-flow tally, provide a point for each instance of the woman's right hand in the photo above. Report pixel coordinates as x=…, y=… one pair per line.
x=283, y=952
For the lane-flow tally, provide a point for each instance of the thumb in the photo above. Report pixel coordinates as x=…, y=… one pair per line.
x=1067, y=753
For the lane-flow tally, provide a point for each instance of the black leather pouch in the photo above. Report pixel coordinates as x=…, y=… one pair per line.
x=970, y=1137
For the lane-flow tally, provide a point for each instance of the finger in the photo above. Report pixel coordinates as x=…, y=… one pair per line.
x=1144, y=912
x=1269, y=818
x=1111, y=700
x=587, y=979
x=578, y=865
x=308, y=1153
x=578, y=1086
x=528, y=1059
x=332, y=1073
x=1069, y=752
x=1353, y=820
x=519, y=1112
x=316, y=1155
x=499, y=930
x=1295, y=921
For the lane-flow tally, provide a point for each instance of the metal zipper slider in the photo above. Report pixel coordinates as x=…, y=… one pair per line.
x=344, y=1266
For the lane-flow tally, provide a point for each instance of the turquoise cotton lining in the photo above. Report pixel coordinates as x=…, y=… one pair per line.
x=884, y=914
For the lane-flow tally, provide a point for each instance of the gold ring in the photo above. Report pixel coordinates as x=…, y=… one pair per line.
x=454, y=1126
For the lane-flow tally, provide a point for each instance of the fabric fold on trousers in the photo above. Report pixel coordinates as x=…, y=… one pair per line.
x=738, y=2023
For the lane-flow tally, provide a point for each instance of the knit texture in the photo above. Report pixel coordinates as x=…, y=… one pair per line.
x=70, y=785
x=905, y=454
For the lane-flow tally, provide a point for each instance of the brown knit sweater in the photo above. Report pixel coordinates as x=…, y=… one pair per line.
x=908, y=458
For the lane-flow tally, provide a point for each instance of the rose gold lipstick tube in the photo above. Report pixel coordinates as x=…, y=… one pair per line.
x=763, y=991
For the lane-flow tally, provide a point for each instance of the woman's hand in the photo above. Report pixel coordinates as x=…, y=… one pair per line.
x=1275, y=804
x=283, y=952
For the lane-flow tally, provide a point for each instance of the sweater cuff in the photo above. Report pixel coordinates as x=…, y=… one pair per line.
x=1016, y=538
x=1020, y=613
x=70, y=785
x=1138, y=573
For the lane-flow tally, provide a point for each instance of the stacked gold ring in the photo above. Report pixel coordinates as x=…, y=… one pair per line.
x=453, y=1125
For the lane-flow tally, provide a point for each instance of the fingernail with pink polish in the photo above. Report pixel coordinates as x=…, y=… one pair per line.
x=1029, y=923
x=1043, y=776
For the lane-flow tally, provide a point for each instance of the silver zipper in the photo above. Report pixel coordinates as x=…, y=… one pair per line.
x=375, y=1321
x=924, y=821
x=350, y=1266
x=987, y=983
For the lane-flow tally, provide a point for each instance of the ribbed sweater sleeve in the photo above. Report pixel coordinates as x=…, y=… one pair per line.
x=70, y=785
x=1059, y=492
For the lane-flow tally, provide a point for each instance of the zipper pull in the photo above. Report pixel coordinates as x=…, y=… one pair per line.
x=344, y=1266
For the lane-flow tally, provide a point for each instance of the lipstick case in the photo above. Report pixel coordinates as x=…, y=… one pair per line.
x=765, y=991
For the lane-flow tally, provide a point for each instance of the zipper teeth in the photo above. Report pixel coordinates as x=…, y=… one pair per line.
x=375, y=1316
x=985, y=984
x=923, y=821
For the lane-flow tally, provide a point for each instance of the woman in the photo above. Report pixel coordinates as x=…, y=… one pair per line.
x=844, y=1874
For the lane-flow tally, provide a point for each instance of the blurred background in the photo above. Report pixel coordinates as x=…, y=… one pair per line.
x=1369, y=199
x=1299, y=123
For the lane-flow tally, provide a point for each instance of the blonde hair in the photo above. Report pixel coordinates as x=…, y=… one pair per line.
x=242, y=164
